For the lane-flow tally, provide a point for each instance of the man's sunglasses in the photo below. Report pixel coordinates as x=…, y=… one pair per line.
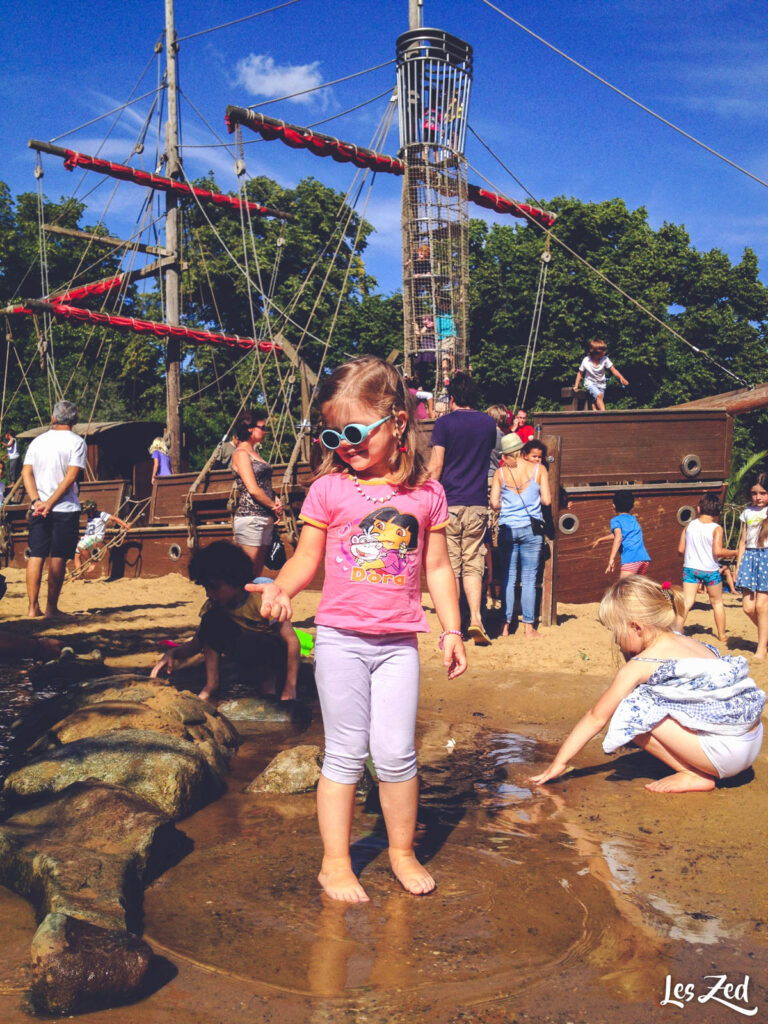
x=262, y=427
x=353, y=433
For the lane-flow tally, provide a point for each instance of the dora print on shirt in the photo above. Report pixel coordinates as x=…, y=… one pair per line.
x=379, y=552
x=373, y=552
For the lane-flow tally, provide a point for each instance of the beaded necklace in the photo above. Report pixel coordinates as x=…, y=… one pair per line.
x=368, y=497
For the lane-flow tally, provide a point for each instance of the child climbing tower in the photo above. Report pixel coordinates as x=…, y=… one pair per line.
x=434, y=75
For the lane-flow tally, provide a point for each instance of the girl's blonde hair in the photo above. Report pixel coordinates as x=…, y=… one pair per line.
x=639, y=599
x=158, y=445
x=500, y=415
x=376, y=384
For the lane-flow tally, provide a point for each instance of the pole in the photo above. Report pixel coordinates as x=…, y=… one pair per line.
x=414, y=14
x=173, y=246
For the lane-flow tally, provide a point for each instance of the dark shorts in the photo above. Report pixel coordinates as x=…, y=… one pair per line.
x=54, y=535
x=224, y=636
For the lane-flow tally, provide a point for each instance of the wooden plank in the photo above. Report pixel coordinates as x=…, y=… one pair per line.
x=580, y=567
x=116, y=243
x=639, y=445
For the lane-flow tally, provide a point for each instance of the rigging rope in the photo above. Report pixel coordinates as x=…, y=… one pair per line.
x=533, y=333
x=626, y=96
x=223, y=144
x=237, y=21
x=323, y=85
x=635, y=302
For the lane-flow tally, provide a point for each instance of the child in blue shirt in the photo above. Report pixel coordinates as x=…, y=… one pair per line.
x=627, y=536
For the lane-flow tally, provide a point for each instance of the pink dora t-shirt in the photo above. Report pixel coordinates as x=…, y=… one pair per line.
x=373, y=552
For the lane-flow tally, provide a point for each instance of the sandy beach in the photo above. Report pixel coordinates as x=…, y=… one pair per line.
x=610, y=890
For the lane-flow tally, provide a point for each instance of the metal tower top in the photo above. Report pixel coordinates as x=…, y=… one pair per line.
x=434, y=74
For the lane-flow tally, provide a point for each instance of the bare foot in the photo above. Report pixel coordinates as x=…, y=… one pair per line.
x=530, y=633
x=340, y=882
x=35, y=612
x=206, y=694
x=758, y=657
x=682, y=782
x=55, y=615
x=723, y=639
x=505, y=629
x=413, y=876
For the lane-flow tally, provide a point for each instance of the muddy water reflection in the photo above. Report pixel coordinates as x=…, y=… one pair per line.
x=519, y=895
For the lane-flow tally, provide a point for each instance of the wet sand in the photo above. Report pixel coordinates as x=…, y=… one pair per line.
x=574, y=902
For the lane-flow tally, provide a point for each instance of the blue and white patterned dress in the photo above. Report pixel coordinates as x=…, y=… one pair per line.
x=707, y=695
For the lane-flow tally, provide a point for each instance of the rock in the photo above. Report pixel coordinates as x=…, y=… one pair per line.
x=293, y=771
x=169, y=772
x=78, y=966
x=257, y=709
x=83, y=859
x=297, y=770
x=84, y=853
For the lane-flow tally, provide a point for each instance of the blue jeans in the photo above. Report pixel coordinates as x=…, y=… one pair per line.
x=522, y=541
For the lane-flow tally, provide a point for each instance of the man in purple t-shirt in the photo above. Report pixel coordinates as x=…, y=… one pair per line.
x=462, y=443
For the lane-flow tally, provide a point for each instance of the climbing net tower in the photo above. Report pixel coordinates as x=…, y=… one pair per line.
x=434, y=75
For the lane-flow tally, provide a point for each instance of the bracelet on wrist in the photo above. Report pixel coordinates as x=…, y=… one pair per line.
x=445, y=633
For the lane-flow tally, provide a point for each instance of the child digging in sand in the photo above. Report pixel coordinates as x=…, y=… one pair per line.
x=701, y=544
x=231, y=621
x=676, y=698
x=379, y=520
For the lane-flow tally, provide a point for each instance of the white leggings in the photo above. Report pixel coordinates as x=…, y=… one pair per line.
x=369, y=691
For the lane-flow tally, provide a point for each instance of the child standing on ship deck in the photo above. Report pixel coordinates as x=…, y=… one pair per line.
x=379, y=519
x=752, y=562
x=701, y=544
x=592, y=369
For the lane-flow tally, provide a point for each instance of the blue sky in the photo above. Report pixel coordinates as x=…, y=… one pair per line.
x=702, y=66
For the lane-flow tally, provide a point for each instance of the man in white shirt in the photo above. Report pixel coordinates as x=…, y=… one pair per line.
x=51, y=468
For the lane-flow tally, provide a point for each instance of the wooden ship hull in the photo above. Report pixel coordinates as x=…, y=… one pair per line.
x=667, y=458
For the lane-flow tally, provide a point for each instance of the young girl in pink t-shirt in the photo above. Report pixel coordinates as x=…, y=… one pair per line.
x=379, y=520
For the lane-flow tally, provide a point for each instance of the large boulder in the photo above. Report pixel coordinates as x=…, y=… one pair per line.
x=215, y=742
x=82, y=860
x=167, y=771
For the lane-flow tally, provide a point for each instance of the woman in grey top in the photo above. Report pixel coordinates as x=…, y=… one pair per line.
x=257, y=506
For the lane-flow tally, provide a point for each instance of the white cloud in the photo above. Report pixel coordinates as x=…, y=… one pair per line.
x=261, y=76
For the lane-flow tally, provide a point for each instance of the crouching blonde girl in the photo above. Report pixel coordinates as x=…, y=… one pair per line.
x=676, y=698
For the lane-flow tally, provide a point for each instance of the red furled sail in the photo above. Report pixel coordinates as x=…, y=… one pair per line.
x=271, y=128
x=73, y=159
x=305, y=138
x=131, y=323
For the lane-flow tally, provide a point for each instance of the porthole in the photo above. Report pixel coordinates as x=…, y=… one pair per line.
x=685, y=514
x=174, y=552
x=568, y=523
x=691, y=465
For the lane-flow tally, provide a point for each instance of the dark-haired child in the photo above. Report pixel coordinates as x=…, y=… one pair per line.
x=627, y=536
x=701, y=544
x=231, y=622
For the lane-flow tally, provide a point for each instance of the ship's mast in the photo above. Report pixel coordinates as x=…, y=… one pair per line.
x=172, y=245
x=434, y=75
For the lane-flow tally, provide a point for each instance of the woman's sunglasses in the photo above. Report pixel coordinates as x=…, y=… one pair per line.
x=353, y=433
